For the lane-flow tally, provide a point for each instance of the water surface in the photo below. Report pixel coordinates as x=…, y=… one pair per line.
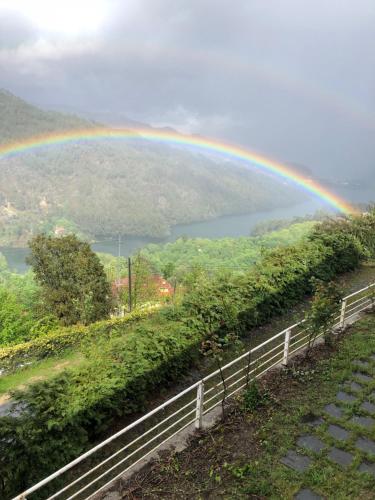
x=221, y=227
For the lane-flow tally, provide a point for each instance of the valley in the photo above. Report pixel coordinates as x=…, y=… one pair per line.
x=106, y=187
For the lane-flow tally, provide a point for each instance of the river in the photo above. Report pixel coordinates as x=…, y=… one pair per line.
x=221, y=227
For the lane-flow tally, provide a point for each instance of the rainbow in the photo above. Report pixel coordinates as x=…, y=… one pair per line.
x=205, y=145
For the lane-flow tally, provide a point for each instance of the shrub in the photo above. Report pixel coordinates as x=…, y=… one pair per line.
x=254, y=397
x=15, y=322
x=67, y=412
x=321, y=316
x=60, y=339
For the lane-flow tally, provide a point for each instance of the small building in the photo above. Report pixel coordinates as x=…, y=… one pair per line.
x=164, y=287
x=59, y=231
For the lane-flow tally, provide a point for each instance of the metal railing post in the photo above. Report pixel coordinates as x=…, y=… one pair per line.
x=199, y=407
x=286, y=346
x=343, y=311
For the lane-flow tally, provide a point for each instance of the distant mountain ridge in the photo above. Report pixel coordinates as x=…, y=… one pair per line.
x=106, y=187
x=121, y=120
x=20, y=119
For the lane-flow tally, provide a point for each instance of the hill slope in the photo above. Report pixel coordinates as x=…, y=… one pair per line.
x=108, y=187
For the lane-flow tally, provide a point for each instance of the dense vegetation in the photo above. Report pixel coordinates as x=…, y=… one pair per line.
x=21, y=314
x=237, y=254
x=56, y=339
x=29, y=311
x=107, y=187
x=60, y=417
x=68, y=286
x=74, y=286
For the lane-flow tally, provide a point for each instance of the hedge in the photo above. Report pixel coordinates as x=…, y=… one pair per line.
x=58, y=340
x=63, y=415
x=279, y=281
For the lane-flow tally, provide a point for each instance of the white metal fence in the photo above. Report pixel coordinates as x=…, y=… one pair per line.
x=96, y=469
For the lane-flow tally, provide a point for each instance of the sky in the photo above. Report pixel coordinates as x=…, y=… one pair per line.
x=291, y=79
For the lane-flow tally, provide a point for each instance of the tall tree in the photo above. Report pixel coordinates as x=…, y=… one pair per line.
x=144, y=286
x=74, y=284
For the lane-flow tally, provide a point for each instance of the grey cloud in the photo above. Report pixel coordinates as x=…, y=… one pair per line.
x=292, y=79
x=14, y=30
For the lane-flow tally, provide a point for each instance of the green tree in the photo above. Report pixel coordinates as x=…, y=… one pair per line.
x=144, y=287
x=363, y=227
x=15, y=322
x=169, y=270
x=73, y=281
x=324, y=309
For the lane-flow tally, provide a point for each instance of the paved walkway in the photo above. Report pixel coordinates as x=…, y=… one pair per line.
x=345, y=431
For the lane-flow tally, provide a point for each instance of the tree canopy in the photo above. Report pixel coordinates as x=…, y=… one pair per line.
x=73, y=281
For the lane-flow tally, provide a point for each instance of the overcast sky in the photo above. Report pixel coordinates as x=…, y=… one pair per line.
x=294, y=79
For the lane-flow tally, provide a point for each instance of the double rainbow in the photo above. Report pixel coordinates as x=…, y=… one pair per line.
x=205, y=145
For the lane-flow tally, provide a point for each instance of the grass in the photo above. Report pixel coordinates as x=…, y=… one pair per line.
x=240, y=457
x=39, y=370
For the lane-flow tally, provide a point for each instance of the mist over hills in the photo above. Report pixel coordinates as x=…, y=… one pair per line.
x=19, y=119
x=105, y=187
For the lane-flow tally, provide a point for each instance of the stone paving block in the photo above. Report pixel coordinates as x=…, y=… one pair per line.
x=340, y=457
x=338, y=432
x=367, y=422
x=365, y=445
x=295, y=461
x=362, y=377
x=333, y=410
x=344, y=396
x=354, y=387
x=311, y=443
x=306, y=494
x=367, y=467
x=367, y=406
x=361, y=363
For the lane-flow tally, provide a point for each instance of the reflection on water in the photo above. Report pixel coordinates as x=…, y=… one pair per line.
x=227, y=226
x=15, y=258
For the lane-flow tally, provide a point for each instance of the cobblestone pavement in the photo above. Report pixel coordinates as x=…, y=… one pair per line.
x=345, y=431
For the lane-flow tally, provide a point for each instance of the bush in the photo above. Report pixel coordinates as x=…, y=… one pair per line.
x=320, y=319
x=15, y=322
x=234, y=304
x=254, y=397
x=67, y=412
x=60, y=339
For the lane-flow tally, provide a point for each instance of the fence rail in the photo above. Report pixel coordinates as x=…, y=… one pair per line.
x=98, y=468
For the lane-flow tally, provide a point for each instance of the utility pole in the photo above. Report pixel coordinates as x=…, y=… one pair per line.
x=130, y=282
x=118, y=280
x=118, y=260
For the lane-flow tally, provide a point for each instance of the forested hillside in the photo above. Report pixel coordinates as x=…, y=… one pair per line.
x=108, y=187
x=236, y=254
